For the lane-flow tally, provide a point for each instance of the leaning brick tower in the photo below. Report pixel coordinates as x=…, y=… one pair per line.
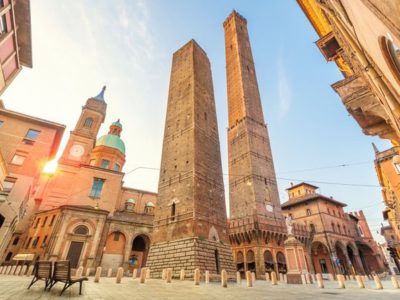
x=190, y=223
x=256, y=220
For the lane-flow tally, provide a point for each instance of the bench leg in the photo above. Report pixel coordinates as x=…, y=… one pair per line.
x=80, y=288
x=65, y=287
x=32, y=282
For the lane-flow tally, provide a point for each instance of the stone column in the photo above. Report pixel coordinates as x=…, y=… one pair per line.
x=134, y=273
x=120, y=273
x=249, y=280
x=197, y=276
x=143, y=275
x=296, y=264
x=360, y=282
x=169, y=275
x=238, y=278
x=320, y=281
x=224, y=279
x=207, y=277
x=341, y=281
x=98, y=274
x=378, y=282
x=395, y=282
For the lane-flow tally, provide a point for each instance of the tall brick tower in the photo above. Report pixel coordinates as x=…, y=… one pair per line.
x=190, y=224
x=256, y=220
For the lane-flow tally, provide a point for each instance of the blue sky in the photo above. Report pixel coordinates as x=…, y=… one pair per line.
x=78, y=46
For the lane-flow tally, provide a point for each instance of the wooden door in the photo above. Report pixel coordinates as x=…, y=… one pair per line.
x=74, y=253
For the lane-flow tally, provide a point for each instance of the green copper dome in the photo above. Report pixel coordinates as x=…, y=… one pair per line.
x=117, y=123
x=112, y=141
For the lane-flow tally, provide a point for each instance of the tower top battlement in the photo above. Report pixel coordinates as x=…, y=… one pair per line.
x=237, y=16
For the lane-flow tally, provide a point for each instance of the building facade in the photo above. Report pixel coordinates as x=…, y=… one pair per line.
x=27, y=143
x=84, y=212
x=368, y=55
x=15, y=40
x=190, y=225
x=342, y=242
x=257, y=227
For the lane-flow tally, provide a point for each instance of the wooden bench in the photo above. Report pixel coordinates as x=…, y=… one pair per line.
x=42, y=271
x=62, y=273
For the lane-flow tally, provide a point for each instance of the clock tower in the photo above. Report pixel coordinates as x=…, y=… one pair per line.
x=83, y=137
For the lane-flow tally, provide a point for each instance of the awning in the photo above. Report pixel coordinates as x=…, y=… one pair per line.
x=20, y=256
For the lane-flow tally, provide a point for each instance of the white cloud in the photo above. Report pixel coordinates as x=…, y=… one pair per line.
x=284, y=89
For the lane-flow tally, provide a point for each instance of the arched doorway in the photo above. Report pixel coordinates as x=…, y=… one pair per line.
x=354, y=264
x=8, y=257
x=268, y=261
x=240, y=262
x=76, y=245
x=341, y=261
x=113, y=255
x=368, y=259
x=251, y=263
x=139, y=251
x=281, y=260
x=321, y=259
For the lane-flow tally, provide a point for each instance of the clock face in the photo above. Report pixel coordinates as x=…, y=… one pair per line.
x=77, y=150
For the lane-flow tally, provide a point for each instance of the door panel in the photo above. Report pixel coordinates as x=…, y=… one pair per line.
x=74, y=253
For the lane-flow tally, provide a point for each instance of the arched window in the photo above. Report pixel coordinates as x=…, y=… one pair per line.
x=312, y=227
x=333, y=227
x=308, y=212
x=88, y=123
x=81, y=229
x=338, y=227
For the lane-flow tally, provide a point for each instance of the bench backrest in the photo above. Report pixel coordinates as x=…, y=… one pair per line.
x=43, y=269
x=62, y=270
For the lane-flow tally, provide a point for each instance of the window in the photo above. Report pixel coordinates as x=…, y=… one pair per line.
x=308, y=212
x=391, y=53
x=92, y=162
x=28, y=243
x=312, y=228
x=1, y=123
x=338, y=227
x=44, y=221
x=44, y=241
x=329, y=212
x=105, y=163
x=173, y=211
x=8, y=184
x=333, y=227
x=32, y=135
x=88, y=123
x=116, y=236
x=1, y=3
x=52, y=220
x=397, y=166
x=18, y=160
x=3, y=24
x=324, y=268
x=16, y=240
x=96, y=187
x=37, y=222
x=117, y=167
x=35, y=242
x=8, y=257
x=81, y=229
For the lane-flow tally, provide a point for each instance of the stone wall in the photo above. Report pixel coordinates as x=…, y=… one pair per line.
x=189, y=254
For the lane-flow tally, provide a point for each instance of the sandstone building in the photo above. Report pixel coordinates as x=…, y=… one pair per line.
x=363, y=38
x=190, y=224
x=256, y=227
x=84, y=212
x=26, y=144
x=342, y=242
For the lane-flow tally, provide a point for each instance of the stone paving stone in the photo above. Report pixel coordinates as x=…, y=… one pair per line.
x=15, y=287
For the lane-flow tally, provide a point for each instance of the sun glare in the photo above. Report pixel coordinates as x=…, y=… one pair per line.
x=50, y=167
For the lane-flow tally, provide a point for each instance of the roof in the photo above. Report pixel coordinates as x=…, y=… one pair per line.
x=302, y=183
x=100, y=96
x=117, y=123
x=308, y=198
x=112, y=141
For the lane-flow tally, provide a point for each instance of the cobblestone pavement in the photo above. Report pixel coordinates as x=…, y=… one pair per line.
x=15, y=288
